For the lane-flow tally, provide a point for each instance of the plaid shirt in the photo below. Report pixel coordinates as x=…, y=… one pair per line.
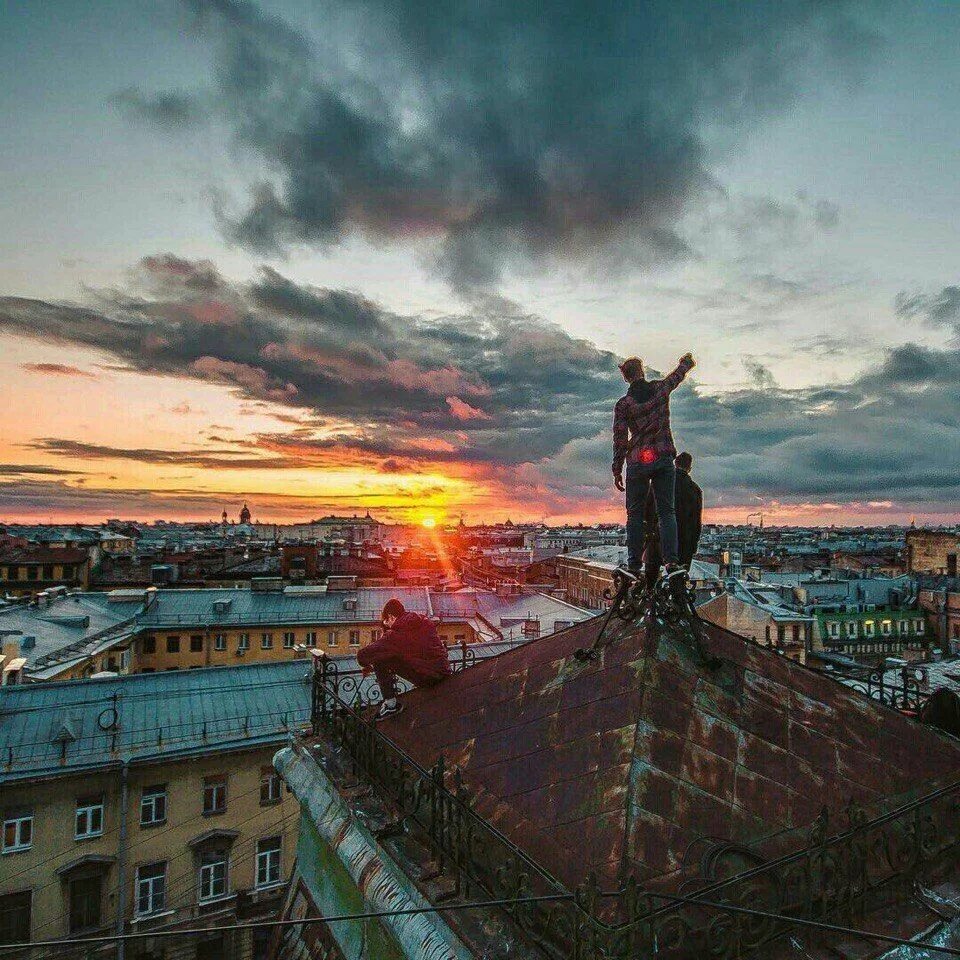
x=641, y=431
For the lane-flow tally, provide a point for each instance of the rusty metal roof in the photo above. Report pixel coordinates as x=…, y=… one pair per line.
x=643, y=760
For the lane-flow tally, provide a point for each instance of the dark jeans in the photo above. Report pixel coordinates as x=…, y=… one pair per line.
x=661, y=476
x=389, y=668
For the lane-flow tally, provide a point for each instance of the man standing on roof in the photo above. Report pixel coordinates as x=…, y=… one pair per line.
x=410, y=648
x=643, y=440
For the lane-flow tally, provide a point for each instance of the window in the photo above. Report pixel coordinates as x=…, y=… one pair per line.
x=312, y=638
x=213, y=876
x=904, y=627
x=196, y=643
x=354, y=638
x=214, y=795
x=15, y=917
x=288, y=639
x=153, y=806
x=834, y=628
x=151, y=888
x=885, y=628
x=150, y=644
x=243, y=641
x=461, y=637
x=266, y=641
x=375, y=634
x=220, y=641
x=85, y=903
x=269, y=786
x=868, y=628
x=89, y=821
x=918, y=626
x=268, y=861
x=852, y=628
x=333, y=638
x=17, y=832
x=173, y=644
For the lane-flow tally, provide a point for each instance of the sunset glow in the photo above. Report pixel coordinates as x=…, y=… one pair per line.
x=237, y=294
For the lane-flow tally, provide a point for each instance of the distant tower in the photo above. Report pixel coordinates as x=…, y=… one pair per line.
x=223, y=518
x=245, y=514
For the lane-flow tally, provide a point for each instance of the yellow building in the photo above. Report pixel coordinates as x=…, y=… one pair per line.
x=152, y=631
x=138, y=802
x=28, y=570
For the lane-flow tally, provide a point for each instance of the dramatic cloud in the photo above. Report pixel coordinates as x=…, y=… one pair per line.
x=507, y=405
x=502, y=134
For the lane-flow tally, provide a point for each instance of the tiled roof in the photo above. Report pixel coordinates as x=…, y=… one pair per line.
x=621, y=765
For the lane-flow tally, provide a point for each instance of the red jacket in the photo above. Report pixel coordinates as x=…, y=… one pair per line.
x=413, y=640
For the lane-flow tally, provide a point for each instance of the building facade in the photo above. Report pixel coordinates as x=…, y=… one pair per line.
x=873, y=633
x=146, y=802
x=28, y=570
x=933, y=552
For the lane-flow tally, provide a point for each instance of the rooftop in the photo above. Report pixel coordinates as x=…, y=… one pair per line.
x=52, y=729
x=642, y=760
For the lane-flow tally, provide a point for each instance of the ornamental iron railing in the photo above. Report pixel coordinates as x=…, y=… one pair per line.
x=839, y=871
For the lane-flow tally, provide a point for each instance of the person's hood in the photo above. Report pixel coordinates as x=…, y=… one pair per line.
x=641, y=390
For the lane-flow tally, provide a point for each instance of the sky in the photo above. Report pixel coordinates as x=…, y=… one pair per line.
x=386, y=255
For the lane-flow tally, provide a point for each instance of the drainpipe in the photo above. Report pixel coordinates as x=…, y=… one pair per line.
x=122, y=859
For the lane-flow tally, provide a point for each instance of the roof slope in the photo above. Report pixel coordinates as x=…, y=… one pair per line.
x=622, y=764
x=53, y=729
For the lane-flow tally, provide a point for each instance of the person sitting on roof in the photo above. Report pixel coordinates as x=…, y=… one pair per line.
x=410, y=649
x=643, y=440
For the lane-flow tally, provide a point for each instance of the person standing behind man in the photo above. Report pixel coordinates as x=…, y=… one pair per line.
x=688, y=498
x=688, y=504
x=643, y=440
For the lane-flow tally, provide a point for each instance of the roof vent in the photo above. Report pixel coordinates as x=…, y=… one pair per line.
x=66, y=732
x=222, y=606
x=28, y=643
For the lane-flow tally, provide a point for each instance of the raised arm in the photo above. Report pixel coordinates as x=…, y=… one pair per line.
x=673, y=380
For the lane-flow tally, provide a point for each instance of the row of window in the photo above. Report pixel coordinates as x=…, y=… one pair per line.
x=149, y=643
x=213, y=877
x=852, y=628
x=35, y=573
x=85, y=894
x=18, y=825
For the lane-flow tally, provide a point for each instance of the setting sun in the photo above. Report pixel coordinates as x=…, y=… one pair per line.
x=428, y=522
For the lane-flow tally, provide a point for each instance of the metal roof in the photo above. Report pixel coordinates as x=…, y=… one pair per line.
x=54, y=729
x=74, y=621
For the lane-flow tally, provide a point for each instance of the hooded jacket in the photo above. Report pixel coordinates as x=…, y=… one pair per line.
x=414, y=641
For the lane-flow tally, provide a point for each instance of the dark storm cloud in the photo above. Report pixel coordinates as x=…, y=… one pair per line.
x=494, y=385
x=503, y=131
x=496, y=396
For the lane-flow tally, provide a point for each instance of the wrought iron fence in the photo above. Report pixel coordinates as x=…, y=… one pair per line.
x=907, y=696
x=833, y=874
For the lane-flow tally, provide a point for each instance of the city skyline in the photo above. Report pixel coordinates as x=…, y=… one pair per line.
x=326, y=258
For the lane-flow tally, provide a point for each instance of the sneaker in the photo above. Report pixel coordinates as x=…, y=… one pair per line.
x=388, y=710
x=672, y=570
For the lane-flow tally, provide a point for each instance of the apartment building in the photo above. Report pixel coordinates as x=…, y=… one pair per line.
x=143, y=802
x=156, y=630
x=28, y=570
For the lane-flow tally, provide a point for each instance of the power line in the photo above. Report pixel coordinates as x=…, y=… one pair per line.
x=276, y=924
x=149, y=836
x=803, y=922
